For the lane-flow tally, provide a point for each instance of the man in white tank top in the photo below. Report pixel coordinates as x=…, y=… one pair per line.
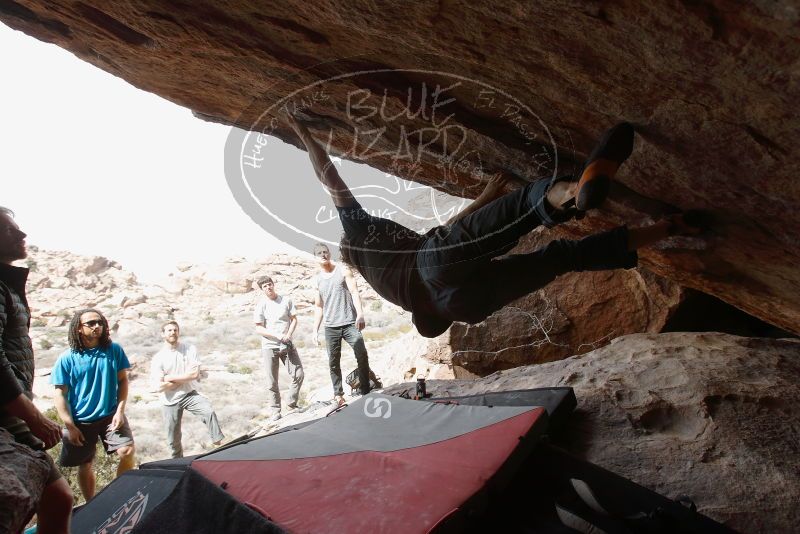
x=338, y=305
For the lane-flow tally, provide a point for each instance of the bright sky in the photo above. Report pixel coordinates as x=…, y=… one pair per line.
x=92, y=165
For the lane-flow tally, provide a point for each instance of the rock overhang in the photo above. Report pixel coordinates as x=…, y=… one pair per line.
x=710, y=91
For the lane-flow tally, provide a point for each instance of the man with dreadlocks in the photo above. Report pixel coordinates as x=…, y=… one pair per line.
x=91, y=381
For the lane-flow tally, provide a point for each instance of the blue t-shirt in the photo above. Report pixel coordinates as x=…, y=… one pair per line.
x=92, y=380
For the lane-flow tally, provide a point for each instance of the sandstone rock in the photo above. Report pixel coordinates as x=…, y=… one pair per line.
x=46, y=310
x=131, y=328
x=75, y=296
x=103, y=287
x=56, y=321
x=702, y=83
x=153, y=292
x=174, y=285
x=93, y=265
x=119, y=278
x=132, y=299
x=41, y=343
x=712, y=416
x=184, y=266
x=84, y=280
x=38, y=280
x=59, y=282
x=232, y=277
x=240, y=286
x=131, y=313
x=65, y=271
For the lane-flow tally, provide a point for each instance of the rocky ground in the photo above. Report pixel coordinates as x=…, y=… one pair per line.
x=709, y=415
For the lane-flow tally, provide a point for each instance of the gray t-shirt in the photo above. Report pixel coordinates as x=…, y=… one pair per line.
x=276, y=316
x=337, y=302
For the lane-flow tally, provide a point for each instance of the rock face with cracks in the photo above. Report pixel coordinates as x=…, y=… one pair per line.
x=712, y=416
x=576, y=313
x=447, y=93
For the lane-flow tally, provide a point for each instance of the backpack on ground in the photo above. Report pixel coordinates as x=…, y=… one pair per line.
x=353, y=380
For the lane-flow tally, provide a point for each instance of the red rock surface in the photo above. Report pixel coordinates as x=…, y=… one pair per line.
x=712, y=89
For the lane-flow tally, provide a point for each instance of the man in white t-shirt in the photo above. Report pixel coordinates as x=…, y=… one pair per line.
x=174, y=372
x=276, y=319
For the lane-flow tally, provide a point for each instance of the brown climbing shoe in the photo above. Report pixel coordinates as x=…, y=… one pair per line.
x=613, y=149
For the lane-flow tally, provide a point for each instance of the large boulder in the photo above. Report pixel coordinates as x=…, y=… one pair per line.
x=98, y=264
x=527, y=88
x=712, y=416
x=232, y=277
x=173, y=285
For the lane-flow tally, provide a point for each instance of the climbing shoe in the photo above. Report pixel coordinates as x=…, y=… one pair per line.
x=613, y=149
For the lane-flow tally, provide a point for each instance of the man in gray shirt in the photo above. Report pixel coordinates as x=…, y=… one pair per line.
x=338, y=303
x=276, y=319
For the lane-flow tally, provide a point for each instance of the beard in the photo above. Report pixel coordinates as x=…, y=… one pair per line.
x=17, y=251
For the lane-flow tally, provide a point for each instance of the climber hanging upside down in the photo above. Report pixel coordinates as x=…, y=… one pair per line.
x=455, y=272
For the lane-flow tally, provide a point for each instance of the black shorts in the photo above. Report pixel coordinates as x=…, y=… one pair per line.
x=74, y=455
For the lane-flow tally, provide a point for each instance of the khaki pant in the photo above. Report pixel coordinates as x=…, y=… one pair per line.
x=272, y=360
x=195, y=404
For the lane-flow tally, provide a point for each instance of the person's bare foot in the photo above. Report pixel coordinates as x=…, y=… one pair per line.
x=339, y=400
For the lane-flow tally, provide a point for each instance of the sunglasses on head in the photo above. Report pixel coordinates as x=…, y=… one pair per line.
x=93, y=323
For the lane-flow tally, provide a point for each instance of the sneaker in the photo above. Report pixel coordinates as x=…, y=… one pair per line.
x=275, y=416
x=292, y=405
x=338, y=400
x=611, y=151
